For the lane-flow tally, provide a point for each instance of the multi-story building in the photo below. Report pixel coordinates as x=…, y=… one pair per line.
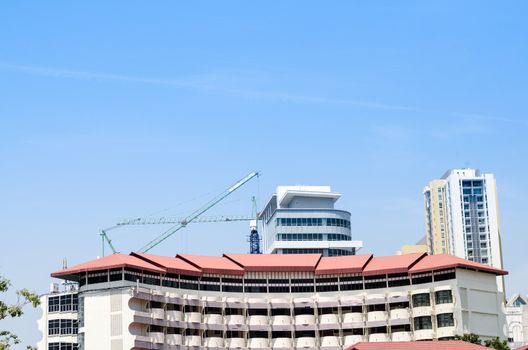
x=516, y=311
x=462, y=216
x=302, y=219
x=142, y=301
x=58, y=323
x=436, y=227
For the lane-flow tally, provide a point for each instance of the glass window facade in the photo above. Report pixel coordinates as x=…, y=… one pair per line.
x=423, y=322
x=313, y=222
x=443, y=297
x=422, y=299
x=445, y=320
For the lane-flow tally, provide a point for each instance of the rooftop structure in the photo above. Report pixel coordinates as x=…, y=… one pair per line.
x=302, y=219
x=142, y=301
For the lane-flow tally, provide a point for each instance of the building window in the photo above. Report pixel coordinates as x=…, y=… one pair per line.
x=443, y=297
x=397, y=280
x=66, y=327
x=373, y=282
x=313, y=222
x=422, y=299
x=53, y=304
x=53, y=327
x=519, y=302
x=423, y=322
x=422, y=278
x=445, y=320
x=116, y=275
x=98, y=277
x=66, y=302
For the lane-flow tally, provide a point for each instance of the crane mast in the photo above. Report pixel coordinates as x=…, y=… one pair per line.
x=254, y=238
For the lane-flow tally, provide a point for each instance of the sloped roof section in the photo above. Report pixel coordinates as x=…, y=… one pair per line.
x=109, y=262
x=342, y=264
x=275, y=262
x=212, y=264
x=238, y=264
x=392, y=264
x=445, y=261
x=418, y=345
x=171, y=264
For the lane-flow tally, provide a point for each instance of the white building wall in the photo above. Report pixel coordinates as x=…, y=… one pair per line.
x=481, y=303
x=106, y=319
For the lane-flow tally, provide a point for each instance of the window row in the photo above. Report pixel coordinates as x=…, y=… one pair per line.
x=313, y=237
x=63, y=303
x=424, y=299
x=442, y=320
x=474, y=183
x=248, y=285
x=63, y=346
x=313, y=222
x=324, y=252
x=62, y=326
x=473, y=198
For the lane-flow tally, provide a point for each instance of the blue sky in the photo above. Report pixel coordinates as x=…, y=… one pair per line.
x=126, y=109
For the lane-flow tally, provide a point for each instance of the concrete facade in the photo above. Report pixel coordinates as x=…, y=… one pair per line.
x=290, y=307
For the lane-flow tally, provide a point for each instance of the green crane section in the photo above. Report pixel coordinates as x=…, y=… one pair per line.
x=181, y=222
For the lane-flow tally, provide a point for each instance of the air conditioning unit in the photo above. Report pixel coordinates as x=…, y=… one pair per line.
x=54, y=288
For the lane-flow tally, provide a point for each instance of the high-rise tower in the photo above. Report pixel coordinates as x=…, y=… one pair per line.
x=462, y=216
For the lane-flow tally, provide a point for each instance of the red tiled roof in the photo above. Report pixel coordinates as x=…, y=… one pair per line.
x=213, y=264
x=445, y=261
x=392, y=264
x=525, y=347
x=110, y=262
x=172, y=265
x=342, y=264
x=418, y=345
x=276, y=262
x=238, y=264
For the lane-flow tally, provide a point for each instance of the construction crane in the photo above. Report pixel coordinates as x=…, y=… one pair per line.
x=180, y=222
x=254, y=238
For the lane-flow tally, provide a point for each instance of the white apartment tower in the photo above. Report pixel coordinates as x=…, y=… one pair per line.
x=462, y=216
x=302, y=219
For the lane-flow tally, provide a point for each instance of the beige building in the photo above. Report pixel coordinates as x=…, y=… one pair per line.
x=436, y=227
x=419, y=247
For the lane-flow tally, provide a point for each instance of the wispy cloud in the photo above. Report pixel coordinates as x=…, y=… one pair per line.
x=201, y=86
x=480, y=117
x=213, y=86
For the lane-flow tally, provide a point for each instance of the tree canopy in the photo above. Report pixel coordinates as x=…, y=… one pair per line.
x=495, y=343
x=24, y=297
